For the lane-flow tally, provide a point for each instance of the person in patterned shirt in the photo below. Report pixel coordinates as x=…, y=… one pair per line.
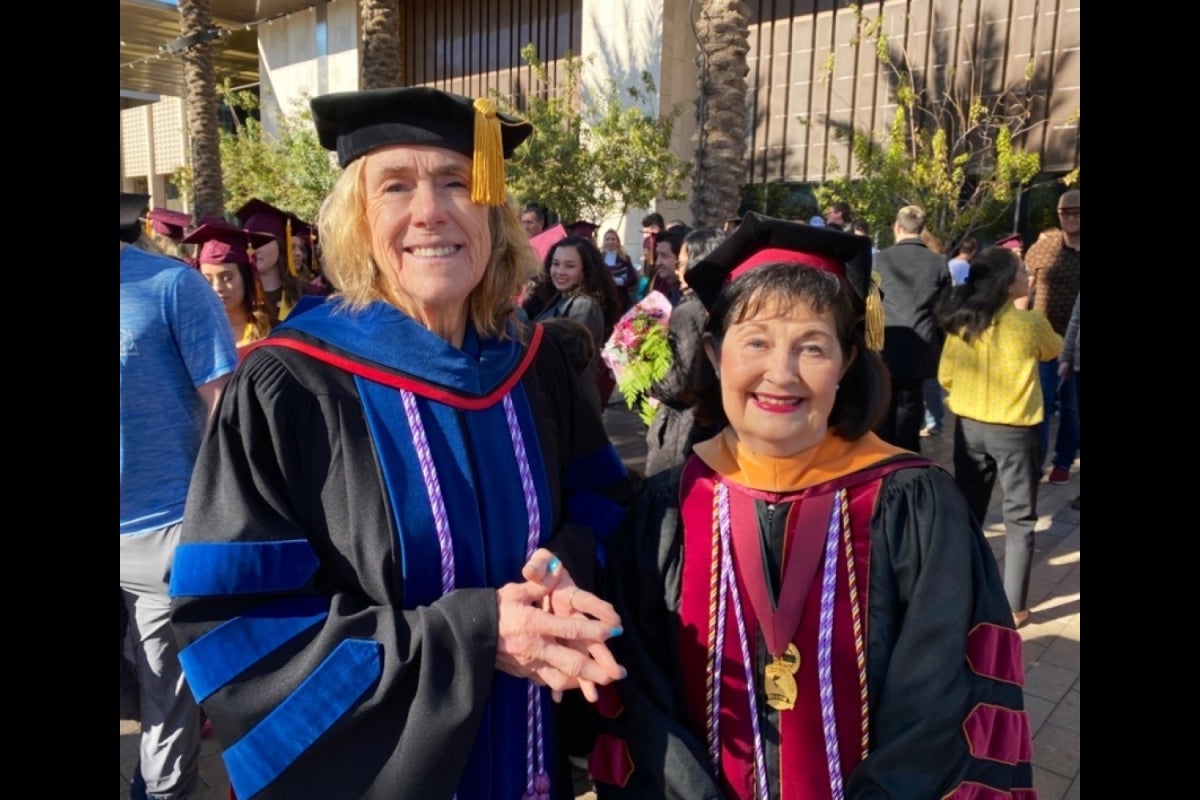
x=1053, y=263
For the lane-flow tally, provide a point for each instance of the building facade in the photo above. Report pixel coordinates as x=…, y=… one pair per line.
x=811, y=73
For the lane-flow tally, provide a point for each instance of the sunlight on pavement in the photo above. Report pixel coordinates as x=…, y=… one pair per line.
x=1065, y=558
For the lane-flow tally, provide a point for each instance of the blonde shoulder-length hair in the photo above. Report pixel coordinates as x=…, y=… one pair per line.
x=345, y=243
x=620, y=247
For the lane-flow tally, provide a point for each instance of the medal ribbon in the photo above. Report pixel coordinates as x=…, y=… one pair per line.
x=802, y=554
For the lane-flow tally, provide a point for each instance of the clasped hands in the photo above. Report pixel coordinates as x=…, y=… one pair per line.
x=553, y=632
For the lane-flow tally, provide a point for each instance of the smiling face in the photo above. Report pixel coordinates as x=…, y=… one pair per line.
x=611, y=240
x=431, y=243
x=226, y=281
x=779, y=372
x=566, y=268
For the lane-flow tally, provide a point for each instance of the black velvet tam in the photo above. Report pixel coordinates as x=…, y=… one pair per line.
x=763, y=240
x=262, y=217
x=355, y=123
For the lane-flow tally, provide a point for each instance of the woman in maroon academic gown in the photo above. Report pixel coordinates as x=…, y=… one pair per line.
x=810, y=613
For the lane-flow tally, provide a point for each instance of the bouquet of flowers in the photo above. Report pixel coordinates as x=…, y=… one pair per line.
x=639, y=353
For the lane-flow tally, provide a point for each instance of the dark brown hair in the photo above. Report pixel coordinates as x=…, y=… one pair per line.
x=969, y=308
x=597, y=280
x=864, y=392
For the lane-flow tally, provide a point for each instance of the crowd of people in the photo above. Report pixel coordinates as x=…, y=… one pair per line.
x=381, y=538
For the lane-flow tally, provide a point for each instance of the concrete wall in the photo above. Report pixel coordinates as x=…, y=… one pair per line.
x=154, y=143
x=309, y=53
x=627, y=37
x=808, y=74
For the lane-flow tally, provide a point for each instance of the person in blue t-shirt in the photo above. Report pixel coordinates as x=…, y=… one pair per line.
x=960, y=265
x=177, y=354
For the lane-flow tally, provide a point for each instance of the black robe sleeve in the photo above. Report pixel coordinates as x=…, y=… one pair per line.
x=940, y=649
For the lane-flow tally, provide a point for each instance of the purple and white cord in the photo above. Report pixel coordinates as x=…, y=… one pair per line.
x=527, y=488
x=433, y=488
x=760, y=758
x=825, y=654
x=537, y=780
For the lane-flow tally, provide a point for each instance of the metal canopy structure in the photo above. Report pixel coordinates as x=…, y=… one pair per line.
x=151, y=45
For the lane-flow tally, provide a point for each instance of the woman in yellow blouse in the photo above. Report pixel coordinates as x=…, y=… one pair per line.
x=989, y=367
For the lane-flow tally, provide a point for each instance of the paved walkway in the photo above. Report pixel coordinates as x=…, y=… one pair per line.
x=1051, y=638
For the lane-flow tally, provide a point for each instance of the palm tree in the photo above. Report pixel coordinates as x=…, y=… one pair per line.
x=200, y=78
x=381, y=65
x=723, y=35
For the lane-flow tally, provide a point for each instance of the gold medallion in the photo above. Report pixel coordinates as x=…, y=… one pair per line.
x=779, y=685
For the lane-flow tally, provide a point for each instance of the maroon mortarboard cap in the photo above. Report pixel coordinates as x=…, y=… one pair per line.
x=172, y=224
x=222, y=243
x=581, y=228
x=1010, y=242
x=542, y=243
x=262, y=217
x=760, y=240
x=132, y=206
x=355, y=123
x=301, y=229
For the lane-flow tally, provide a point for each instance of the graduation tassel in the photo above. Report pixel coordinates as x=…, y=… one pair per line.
x=875, y=320
x=291, y=255
x=258, y=297
x=487, y=176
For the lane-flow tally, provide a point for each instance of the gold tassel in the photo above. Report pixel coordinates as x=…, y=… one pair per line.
x=874, y=315
x=148, y=226
x=291, y=255
x=487, y=177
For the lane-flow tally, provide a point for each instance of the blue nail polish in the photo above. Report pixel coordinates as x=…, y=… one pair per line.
x=553, y=565
x=616, y=631
x=624, y=672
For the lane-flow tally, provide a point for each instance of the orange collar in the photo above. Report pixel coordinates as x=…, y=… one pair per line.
x=831, y=458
